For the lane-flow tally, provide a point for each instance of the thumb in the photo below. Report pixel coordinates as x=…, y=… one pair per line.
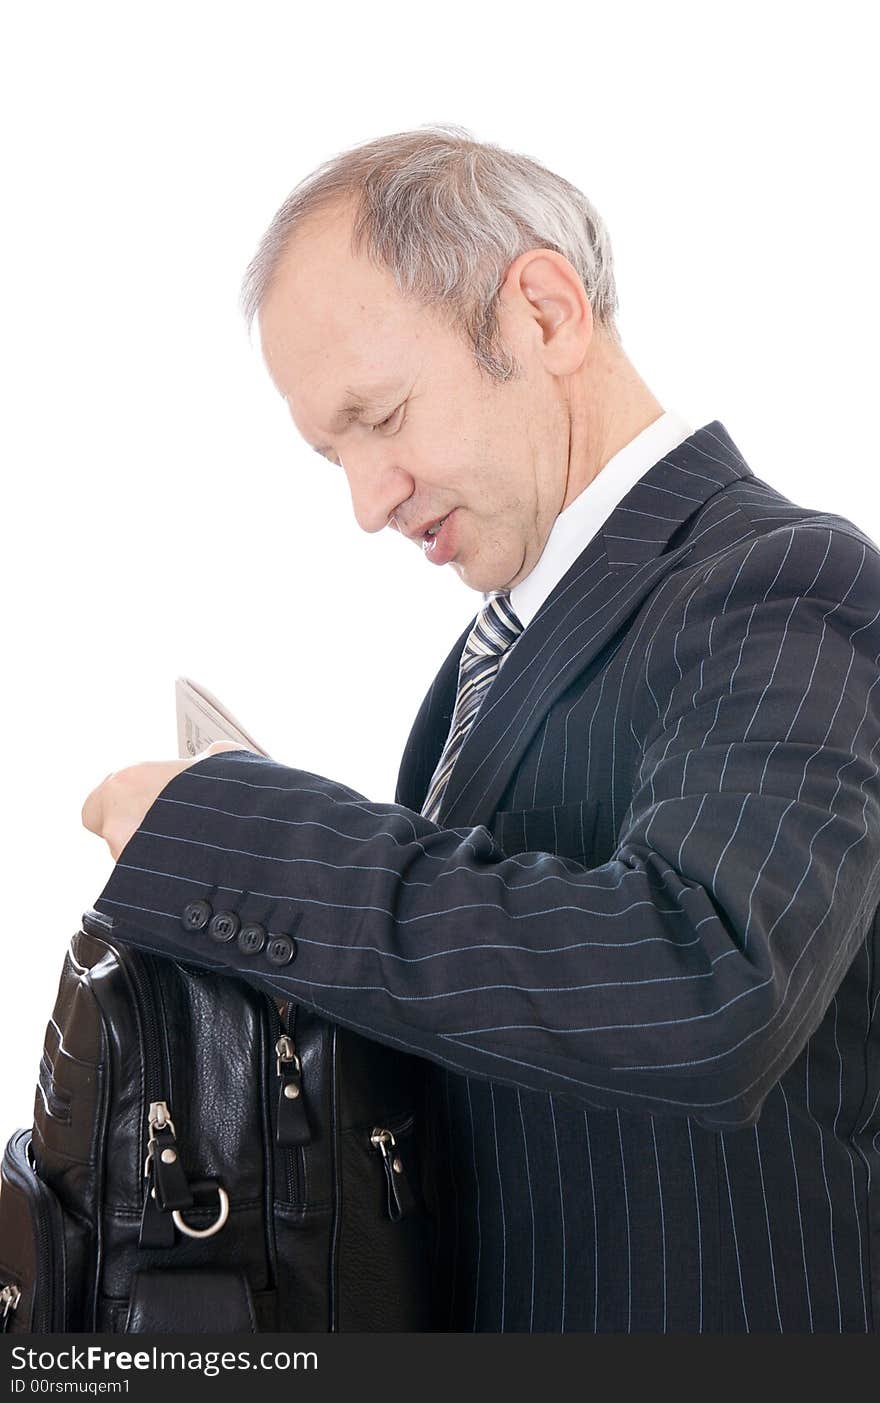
x=217, y=746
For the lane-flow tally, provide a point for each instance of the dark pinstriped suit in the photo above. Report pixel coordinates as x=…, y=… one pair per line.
x=640, y=950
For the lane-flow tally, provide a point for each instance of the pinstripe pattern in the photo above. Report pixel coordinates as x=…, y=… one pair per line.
x=638, y=947
x=494, y=632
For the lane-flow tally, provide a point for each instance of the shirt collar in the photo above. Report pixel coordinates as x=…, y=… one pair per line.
x=576, y=526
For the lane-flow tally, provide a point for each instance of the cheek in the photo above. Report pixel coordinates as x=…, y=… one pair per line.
x=486, y=461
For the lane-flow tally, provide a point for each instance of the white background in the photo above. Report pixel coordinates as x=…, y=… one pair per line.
x=160, y=515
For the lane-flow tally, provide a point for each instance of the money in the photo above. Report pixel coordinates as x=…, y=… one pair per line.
x=202, y=719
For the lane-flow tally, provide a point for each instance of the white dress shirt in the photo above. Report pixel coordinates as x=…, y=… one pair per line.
x=576, y=526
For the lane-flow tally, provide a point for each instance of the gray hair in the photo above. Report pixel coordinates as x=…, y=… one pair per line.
x=446, y=215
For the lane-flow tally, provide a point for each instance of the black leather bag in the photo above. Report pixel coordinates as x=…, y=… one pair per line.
x=205, y=1159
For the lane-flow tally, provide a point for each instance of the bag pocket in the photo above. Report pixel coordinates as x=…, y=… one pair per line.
x=204, y=1300
x=394, y=1148
x=386, y=1232
x=32, y=1245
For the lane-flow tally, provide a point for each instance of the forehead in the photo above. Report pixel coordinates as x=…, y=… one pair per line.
x=331, y=320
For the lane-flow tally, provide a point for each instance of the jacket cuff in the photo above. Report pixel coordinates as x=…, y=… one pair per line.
x=172, y=889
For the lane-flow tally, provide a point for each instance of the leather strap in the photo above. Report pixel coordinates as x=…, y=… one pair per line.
x=206, y=1302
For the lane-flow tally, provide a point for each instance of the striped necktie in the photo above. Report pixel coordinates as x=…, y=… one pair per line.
x=495, y=629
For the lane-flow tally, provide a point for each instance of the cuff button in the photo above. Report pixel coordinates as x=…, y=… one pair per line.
x=252, y=938
x=196, y=915
x=280, y=950
x=224, y=926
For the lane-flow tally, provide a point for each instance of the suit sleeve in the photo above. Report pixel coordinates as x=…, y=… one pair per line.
x=684, y=975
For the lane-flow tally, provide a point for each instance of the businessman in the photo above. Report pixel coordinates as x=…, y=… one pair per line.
x=625, y=903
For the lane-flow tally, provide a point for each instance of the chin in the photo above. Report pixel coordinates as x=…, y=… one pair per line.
x=489, y=573
x=487, y=576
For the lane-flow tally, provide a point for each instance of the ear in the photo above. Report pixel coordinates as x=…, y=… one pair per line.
x=546, y=294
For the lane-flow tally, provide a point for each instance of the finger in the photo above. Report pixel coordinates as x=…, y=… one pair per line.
x=92, y=810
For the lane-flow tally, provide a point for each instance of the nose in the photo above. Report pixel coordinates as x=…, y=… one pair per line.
x=377, y=487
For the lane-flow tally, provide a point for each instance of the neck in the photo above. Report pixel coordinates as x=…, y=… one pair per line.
x=609, y=405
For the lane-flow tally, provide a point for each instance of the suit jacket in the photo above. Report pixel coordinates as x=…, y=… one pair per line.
x=639, y=951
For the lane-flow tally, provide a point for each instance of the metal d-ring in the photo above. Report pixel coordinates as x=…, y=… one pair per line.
x=215, y=1226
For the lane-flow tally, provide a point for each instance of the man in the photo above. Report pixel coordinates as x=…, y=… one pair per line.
x=625, y=903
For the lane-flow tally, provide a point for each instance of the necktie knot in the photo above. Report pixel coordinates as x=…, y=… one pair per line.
x=495, y=629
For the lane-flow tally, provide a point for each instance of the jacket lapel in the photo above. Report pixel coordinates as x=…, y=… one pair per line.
x=641, y=541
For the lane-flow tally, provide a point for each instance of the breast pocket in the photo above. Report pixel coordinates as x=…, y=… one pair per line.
x=569, y=830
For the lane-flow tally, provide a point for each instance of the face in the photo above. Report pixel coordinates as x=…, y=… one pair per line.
x=386, y=390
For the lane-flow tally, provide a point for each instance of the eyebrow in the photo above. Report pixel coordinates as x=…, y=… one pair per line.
x=356, y=404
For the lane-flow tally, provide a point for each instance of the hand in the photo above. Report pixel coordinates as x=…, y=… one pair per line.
x=117, y=807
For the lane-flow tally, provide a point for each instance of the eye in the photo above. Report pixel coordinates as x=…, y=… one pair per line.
x=389, y=422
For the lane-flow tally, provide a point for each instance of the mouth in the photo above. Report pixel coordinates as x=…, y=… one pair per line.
x=433, y=530
x=428, y=531
x=439, y=539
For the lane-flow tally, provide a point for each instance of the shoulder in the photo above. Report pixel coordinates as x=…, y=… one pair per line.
x=821, y=556
x=817, y=577
x=754, y=538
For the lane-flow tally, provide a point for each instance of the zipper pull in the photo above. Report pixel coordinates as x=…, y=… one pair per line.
x=10, y=1296
x=157, y=1228
x=169, y=1180
x=293, y=1124
x=165, y=1184
x=398, y=1197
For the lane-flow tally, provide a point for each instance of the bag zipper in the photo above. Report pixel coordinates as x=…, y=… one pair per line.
x=167, y=1191
x=289, y=1112
x=398, y=1185
x=157, y=1057
x=48, y=1241
x=166, y=1188
x=49, y=1284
